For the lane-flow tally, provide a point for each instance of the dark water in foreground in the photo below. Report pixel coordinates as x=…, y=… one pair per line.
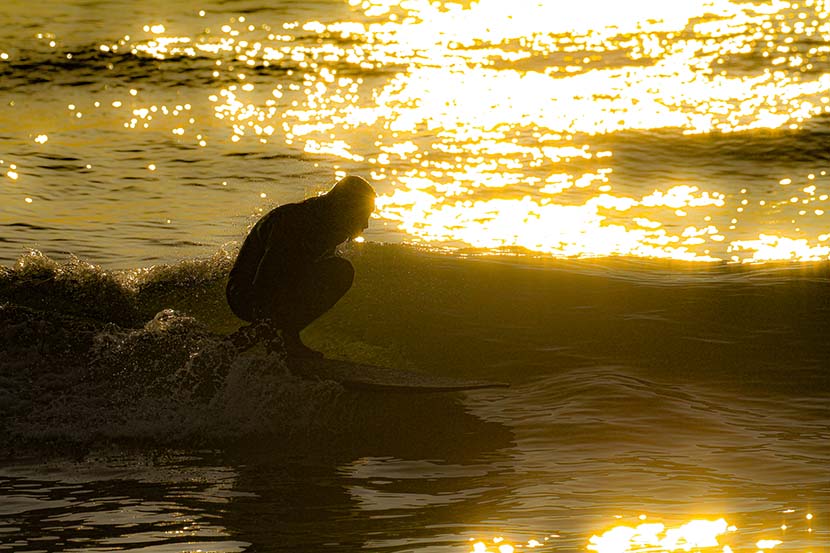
x=675, y=393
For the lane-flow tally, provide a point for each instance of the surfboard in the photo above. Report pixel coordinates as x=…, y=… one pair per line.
x=361, y=376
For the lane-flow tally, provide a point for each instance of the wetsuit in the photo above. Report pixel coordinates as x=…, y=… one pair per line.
x=287, y=272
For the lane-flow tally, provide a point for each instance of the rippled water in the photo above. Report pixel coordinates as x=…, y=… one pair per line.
x=695, y=130
x=655, y=404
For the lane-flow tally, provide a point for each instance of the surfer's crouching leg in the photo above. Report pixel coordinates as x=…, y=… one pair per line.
x=295, y=309
x=243, y=303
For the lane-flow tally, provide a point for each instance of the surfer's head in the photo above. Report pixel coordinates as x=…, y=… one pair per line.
x=352, y=201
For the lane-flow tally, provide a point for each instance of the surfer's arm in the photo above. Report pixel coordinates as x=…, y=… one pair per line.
x=331, y=252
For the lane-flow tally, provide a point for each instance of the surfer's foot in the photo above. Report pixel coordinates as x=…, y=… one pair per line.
x=294, y=347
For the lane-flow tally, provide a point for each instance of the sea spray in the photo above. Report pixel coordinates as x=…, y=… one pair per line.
x=72, y=287
x=69, y=382
x=130, y=384
x=82, y=362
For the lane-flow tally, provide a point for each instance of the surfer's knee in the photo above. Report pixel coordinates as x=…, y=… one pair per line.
x=340, y=272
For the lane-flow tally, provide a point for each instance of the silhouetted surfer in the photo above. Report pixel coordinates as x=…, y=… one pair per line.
x=288, y=273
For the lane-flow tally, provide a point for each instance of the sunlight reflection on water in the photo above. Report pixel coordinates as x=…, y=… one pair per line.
x=481, y=130
x=499, y=125
x=700, y=535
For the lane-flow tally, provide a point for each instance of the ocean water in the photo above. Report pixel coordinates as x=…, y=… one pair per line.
x=618, y=208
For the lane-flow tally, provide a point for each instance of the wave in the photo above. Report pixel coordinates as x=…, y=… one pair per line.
x=90, y=354
x=89, y=66
x=172, y=62
x=68, y=384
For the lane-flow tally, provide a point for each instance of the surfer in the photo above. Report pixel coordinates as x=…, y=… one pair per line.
x=288, y=273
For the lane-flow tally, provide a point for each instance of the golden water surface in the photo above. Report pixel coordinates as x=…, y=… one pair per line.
x=506, y=125
x=487, y=124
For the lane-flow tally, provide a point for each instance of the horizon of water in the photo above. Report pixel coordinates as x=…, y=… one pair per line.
x=617, y=208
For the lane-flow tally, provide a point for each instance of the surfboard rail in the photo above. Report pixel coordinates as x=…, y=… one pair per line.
x=366, y=377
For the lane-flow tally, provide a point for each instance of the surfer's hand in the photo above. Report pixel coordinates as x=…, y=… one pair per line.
x=331, y=252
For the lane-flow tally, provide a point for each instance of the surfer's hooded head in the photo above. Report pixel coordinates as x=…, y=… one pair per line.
x=351, y=202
